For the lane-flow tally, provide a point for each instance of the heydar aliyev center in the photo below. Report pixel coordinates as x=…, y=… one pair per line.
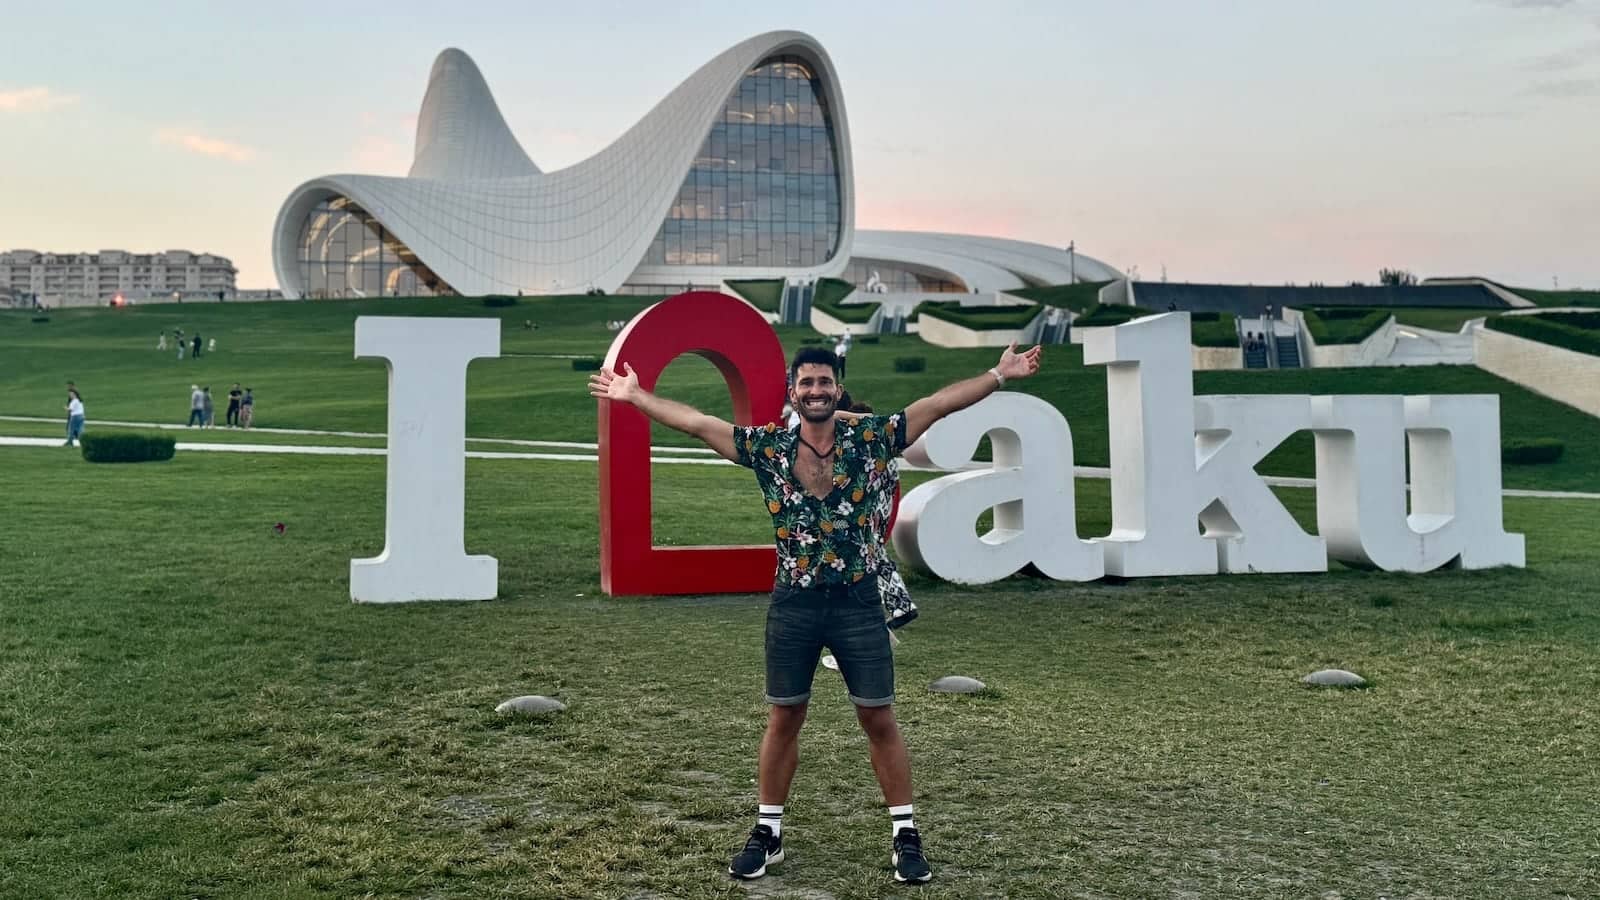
x=743, y=171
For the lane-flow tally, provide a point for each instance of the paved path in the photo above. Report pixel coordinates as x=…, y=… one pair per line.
x=315, y=450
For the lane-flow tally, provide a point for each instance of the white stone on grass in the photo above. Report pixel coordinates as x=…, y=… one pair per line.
x=1334, y=678
x=956, y=684
x=533, y=704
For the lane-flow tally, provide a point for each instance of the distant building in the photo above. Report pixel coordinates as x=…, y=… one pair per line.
x=78, y=278
x=743, y=171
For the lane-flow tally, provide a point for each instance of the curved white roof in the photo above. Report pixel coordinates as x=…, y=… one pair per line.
x=480, y=214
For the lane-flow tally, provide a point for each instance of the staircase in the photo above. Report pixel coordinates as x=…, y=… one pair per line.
x=1288, y=352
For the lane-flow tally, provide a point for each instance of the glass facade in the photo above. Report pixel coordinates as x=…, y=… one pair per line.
x=345, y=252
x=764, y=189
x=897, y=278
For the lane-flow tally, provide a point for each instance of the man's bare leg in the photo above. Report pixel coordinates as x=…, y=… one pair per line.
x=890, y=761
x=780, y=753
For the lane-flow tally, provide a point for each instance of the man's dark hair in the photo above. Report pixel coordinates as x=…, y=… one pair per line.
x=813, y=356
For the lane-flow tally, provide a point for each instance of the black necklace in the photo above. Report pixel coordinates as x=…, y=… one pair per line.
x=818, y=453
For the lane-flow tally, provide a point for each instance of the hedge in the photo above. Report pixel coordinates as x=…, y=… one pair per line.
x=1209, y=329
x=981, y=318
x=1115, y=314
x=1344, y=324
x=585, y=365
x=910, y=363
x=765, y=294
x=1531, y=451
x=1081, y=297
x=1559, y=298
x=495, y=301
x=851, y=314
x=128, y=447
x=1579, y=332
x=831, y=291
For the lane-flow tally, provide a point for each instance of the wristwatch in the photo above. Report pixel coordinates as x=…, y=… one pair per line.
x=997, y=376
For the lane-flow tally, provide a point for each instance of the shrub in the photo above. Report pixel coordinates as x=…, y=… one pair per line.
x=1081, y=297
x=763, y=293
x=1579, y=332
x=910, y=363
x=128, y=447
x=1344, y=324
x=1116, y=314
x=586, y=365
x=499, y=300
x=41, y=319
x=830, y=291
x=1531, y=451
x=982, y=318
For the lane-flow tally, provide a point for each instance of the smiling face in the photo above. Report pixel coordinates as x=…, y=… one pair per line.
x=815, y=393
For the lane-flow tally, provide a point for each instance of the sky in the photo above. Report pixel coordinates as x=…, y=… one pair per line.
x=1267, y=142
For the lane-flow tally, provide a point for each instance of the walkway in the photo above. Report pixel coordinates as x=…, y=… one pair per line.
x=698, y=456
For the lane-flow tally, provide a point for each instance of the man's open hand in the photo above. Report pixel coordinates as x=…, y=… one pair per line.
x=608, y=385
x=1018, y=365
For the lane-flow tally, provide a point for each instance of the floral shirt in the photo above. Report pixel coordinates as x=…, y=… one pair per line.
x=837, y=539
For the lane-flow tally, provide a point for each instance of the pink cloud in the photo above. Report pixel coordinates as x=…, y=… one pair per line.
x=205, y=146
x=34, y=99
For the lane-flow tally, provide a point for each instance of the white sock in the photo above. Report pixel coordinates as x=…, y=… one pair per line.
x=771, y=815
x=901, y=815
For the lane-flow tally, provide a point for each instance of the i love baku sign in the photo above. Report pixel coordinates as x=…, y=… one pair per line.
x=1185, y=496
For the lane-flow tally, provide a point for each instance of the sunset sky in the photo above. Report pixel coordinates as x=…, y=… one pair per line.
x=1269, y=141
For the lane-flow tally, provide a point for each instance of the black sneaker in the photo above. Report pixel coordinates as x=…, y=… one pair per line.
x=910, y=866
x=760, y=851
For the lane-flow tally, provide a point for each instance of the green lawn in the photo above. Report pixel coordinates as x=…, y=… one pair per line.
x=190, y=707
x=1448, y=320
x=1560, y=298
x=298, y=357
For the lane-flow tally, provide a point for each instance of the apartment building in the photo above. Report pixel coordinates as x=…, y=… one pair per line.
x=73, y=278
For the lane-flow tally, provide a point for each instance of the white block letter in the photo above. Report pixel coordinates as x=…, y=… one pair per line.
x=1031, y=478
x=1254, y=533
x=1150, y=398
x=1454, y=446
x=424, y=552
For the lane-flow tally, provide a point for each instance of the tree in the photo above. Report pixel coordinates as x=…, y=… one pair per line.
x=1396, y=278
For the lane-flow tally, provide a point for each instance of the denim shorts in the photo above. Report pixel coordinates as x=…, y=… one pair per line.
x=848, y=620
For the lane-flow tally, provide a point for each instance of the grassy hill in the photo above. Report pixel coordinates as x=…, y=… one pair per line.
x=299, y=359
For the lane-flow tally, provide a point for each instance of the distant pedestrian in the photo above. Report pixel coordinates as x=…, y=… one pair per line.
x=840, y=349
x=74, y=416
x=234, y=395
x=247, y=408
x=211, y=346
x=197, y=345
x=197, y=404
x=205, y=406
x=161, y=345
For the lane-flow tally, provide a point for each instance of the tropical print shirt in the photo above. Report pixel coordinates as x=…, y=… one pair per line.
x=837, y=539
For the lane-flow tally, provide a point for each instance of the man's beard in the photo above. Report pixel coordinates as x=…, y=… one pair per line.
x=813, y=414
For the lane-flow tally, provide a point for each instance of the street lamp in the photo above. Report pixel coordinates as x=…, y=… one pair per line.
x=1072, y=262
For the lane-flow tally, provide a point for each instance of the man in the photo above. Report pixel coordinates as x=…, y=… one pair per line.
x=234, y=395
x=823, y=485
x=841, y=350
x=197, y=405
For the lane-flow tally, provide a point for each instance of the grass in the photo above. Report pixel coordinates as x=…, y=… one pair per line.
x=765, y=294
x=189, y=706
x=1081, y=297
x=1560, y=298
x=298, y=357
x=981, y=318
x=1447, y=320
x=1344, y=324
x=1574, y=331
